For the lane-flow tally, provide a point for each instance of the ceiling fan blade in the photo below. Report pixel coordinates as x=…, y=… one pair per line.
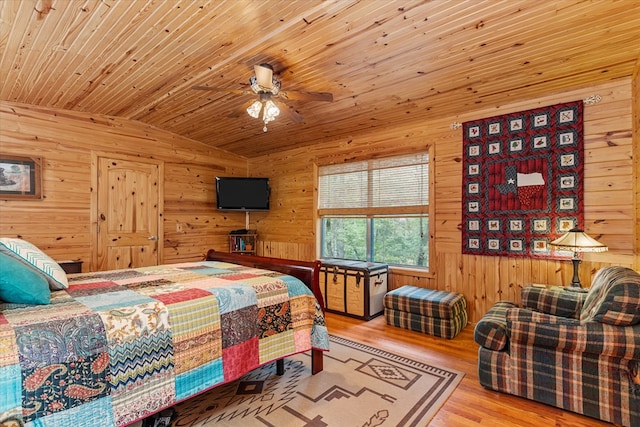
x=289, y=112
x=307, y=96
x=222, y=89
x=295, y=116
x=264, y=75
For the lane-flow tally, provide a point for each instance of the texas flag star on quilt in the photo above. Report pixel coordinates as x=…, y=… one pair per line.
x=523, y=180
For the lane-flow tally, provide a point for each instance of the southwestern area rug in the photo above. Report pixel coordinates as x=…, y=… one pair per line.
x=359, y=386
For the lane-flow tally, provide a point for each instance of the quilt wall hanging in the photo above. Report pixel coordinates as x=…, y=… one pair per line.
x=522, y=180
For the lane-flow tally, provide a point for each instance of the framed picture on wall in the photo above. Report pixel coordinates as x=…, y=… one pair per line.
x=20, y=177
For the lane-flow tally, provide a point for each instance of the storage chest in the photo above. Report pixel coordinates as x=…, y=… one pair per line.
x=354, y=288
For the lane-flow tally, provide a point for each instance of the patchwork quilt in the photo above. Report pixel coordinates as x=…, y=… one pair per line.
x=119, y=345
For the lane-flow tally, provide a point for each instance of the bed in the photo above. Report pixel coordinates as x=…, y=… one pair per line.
x=117, y=346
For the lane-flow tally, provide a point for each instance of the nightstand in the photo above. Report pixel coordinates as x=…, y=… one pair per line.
x=71, y=266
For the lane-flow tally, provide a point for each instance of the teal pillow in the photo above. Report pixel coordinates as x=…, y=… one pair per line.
x=37, y=260
x=20, y=284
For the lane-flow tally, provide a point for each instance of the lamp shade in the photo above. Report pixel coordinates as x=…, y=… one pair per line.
x=271, y=111
x=576, y=240
x=254, y=109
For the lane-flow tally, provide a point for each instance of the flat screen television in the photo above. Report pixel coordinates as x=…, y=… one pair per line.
x=242, y=194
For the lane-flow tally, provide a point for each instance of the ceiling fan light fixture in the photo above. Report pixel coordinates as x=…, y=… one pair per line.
x=254, y=109
x=271, y=111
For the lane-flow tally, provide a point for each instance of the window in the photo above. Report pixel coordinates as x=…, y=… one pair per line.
x=376, y=210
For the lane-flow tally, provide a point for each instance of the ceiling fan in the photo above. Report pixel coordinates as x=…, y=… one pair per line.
x=267, y=86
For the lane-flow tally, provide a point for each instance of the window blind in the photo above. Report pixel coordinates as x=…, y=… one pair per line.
x=392, y=185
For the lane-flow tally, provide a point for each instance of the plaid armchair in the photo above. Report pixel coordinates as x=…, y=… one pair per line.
x=579, y=351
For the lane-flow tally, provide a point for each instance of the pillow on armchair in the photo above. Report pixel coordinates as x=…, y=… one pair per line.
x=614, y=297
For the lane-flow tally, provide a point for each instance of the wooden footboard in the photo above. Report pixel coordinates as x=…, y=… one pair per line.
x=308, y=272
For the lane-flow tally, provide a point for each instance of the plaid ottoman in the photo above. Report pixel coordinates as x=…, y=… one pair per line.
x=438, y=313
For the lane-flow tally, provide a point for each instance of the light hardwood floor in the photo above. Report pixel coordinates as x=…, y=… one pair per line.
x=470, y=404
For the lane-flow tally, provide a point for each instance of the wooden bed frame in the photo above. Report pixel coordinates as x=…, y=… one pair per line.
x=308, y=272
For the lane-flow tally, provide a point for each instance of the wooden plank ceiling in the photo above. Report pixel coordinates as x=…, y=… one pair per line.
x=384, y=61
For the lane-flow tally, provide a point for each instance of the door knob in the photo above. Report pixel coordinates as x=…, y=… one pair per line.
x=153, y=237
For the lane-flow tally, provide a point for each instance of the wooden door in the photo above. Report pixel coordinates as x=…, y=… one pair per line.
x=128, y=226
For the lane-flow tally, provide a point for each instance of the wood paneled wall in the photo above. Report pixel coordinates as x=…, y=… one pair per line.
x=289, y=229
x=60, y=222
x=636, y=158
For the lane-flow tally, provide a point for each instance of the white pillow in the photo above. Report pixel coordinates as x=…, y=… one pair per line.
x=33, y=257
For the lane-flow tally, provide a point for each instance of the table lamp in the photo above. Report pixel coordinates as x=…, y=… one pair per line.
x=576, y=240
